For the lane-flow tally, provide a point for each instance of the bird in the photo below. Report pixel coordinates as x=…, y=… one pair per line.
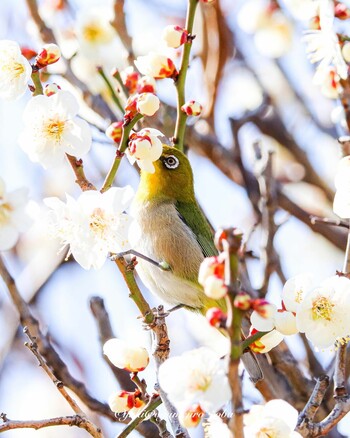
x=170, y=227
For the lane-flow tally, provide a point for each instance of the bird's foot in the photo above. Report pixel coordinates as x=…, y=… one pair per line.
x=159, y=316
x=179, y=306
x=164, y=266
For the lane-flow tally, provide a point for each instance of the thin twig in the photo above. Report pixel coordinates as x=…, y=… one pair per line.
x=89, y=426
x=71, y=420
x=78, y=169
x=180, y=126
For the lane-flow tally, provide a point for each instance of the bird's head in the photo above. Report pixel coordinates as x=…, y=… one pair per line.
x=172, y=179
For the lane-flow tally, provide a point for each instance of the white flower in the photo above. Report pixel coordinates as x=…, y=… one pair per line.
x=52, y=129
x=275, y=38
x=174, y=36
x=93, y=28
x=214, y=287
x=323, y=45
x=294, y=291
x=125, y=356
x=196, y=377
x=276, y=418
x=210, y=266
x=283, y=321
x=147, y=104
x=214, y=427
x=93, y=226
x=13, y=218
x=15, y=71
x=324, y=312
x=341, y=205
x=145, y=148
x=156, y=65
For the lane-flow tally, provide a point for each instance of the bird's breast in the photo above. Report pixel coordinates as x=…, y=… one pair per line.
x=160, y=234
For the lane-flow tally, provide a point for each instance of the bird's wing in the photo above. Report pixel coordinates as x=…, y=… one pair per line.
x=193, y=217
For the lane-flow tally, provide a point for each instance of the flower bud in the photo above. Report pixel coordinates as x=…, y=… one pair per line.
x=49, y=54
x=174, y=36
x=121, y=401
x=216, y=317
x=115, y=131
x=130, y=79
x=125, y=356
x=266, y=342
x=156, y=65
x=28, y=53
x=263, y=308
x=192, y=108
x=210, y=266
x=147, y=104
x=341, y=11
x=242, y=301
x=214, y=287
x=146, y=84
x=192, y=416
x=51, y=89
x=145, y=147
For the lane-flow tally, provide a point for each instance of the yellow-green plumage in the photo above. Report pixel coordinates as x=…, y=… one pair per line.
x=172, y=229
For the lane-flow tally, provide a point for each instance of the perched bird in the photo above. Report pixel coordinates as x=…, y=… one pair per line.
x=171, y=228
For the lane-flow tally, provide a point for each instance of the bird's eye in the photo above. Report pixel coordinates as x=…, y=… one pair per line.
x=171, y=162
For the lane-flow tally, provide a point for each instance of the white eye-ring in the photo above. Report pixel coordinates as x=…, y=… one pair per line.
x=171, y=162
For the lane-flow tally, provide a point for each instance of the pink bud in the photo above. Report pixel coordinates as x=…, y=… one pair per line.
x=192, y=108
x=210, y=266
x=192, y=416
x=130, y=79
x=115, y=131
x=122, y=401
x=242, y=301
x=341, y=11
x=146, y=84
x=147, y=104
x=51, y=89
x=214, y=287
x=28, y=53
x=216, y=317
x=174, y=36
x=156, y=65
x=49, y=54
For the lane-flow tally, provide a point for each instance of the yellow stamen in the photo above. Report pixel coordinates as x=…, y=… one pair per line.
x=54, y=128
x=5, y=212
x=322, y=308
x=15, y=69
x=299, y=296
x=98, y=222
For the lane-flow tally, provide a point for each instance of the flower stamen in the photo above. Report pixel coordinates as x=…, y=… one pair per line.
x=322, y=308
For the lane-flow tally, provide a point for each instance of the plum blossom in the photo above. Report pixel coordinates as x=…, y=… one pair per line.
x=52, y=129
x=323, y=44
x=115, y=131
x=276, y=418
x=49, y=54
x=124, y=401
x=192, y=108
x=147, y=104
x=174, y=36
x=132, y=358
x=15, y=71
x=341, y=205
x=13, y=216
x=145, y=148
x=214, y=427
x=323, y=315
x=93, y=226
x=197, y=377
x=156, y=65
x=283, y=321
x=294, y=291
